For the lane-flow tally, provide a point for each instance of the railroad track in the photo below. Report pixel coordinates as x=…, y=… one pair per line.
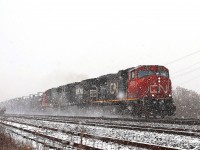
x=185, y=132
x=171, y=130
x=38, y=131
x=60, y=142
x=49, y=122
x=151, y=120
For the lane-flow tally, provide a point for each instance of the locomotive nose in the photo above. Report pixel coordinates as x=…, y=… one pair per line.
x=159, y=87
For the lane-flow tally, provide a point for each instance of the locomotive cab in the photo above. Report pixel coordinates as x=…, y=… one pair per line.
x=151, y=87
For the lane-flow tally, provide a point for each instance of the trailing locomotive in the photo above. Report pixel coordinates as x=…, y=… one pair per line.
x=143, y=90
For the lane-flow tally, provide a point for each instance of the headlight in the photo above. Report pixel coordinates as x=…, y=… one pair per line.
x=158, y=79
x=170, y=95
x=152, y=95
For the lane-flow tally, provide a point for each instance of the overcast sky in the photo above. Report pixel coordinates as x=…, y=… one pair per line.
x=47, y=43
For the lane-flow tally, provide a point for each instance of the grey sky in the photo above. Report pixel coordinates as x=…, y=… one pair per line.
x=47, y=43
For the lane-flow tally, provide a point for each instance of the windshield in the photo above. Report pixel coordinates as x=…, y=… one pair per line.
x=143, y=73
x=162, y=73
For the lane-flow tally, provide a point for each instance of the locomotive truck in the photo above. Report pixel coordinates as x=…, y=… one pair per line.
x=144, y=90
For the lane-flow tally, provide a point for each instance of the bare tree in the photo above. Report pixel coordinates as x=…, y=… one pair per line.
x=187, y=103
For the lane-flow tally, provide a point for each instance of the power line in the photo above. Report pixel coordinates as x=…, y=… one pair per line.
x=187, y=72
x=194, y=78
x=185, y=68
x=183, y=57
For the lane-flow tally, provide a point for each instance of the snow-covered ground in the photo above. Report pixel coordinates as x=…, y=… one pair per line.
x=169, y=140
x=73, y=139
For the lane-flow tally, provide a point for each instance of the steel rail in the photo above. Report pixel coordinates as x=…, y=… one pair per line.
x=63, y=142
x=194, y=133
x=167, y=121
x=105, y=139
x=37, y=141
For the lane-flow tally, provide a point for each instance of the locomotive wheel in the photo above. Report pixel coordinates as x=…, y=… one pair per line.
x=147, y=115
x=154, y=115
x=139, y=115
x=146, y=112
x=162, y=115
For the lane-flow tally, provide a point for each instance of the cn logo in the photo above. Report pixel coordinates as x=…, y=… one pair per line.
x=113, y=88
x=164, y=89
x=158, y=88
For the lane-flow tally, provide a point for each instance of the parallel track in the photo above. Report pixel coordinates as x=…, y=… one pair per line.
x=110, y=123
x=151, y=120
x=62, y=119
x=84, y=135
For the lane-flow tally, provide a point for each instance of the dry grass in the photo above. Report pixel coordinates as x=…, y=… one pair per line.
x=8, y=143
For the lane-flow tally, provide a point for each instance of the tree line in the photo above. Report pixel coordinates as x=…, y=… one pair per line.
x=187, y=103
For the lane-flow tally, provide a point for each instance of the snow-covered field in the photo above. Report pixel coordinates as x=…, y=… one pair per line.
x=169, y=140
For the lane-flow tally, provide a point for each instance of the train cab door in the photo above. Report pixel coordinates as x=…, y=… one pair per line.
x=94, y=93
x=132, y=84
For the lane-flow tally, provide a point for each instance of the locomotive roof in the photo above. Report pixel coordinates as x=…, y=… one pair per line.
x=88, y=80
x=108, y=75
x=132, y=68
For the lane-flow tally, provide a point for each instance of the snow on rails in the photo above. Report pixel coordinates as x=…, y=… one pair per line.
x=105, y=134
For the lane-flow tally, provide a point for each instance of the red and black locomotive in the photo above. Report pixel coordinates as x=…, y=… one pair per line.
x=143, y=90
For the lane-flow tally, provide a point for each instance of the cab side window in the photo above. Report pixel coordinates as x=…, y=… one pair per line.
x=132, y=74
x=129, y=75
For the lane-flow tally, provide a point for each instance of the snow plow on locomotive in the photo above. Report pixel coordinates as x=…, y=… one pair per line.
x=143, y=91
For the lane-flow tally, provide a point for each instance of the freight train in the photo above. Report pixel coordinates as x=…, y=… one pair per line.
x=144, y=90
